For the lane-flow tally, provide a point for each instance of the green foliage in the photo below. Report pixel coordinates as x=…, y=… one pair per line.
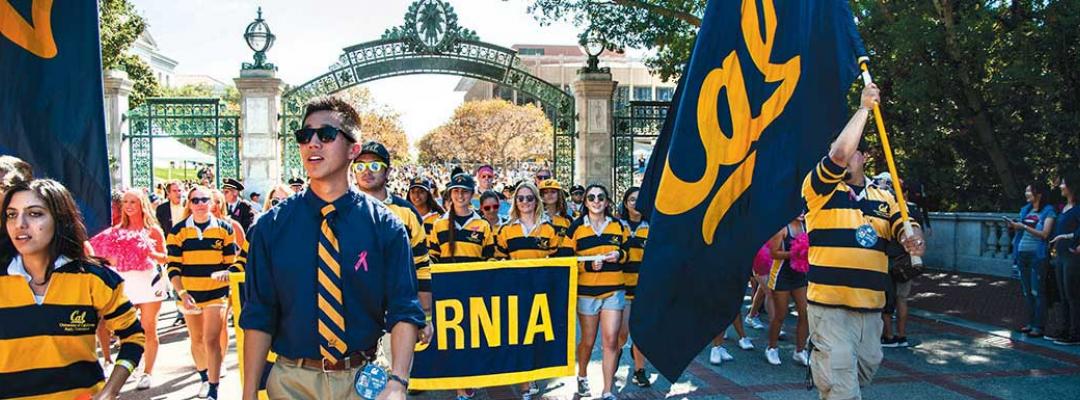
x=667, y=26
x=120, y=27
x=980, y=97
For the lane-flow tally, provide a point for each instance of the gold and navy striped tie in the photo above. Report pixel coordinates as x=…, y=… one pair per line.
x=331, y=309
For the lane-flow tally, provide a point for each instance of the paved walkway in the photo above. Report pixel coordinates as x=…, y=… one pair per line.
x=962, y=349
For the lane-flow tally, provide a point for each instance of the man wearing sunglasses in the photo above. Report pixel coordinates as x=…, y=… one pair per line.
x=329, y=272
x=372, y=171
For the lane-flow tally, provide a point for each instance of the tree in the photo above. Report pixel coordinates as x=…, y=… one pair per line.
x=667, y=26
x=378, y=121
x=490, y=131
x=981, y=97
x=120, y=27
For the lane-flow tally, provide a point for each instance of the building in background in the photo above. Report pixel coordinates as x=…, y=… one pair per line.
x=558, y=64
x=164, y=67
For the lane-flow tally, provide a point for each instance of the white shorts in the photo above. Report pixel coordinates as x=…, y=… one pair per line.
x=145, y=286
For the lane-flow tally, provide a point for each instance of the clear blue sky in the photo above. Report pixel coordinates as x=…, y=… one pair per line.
x=206, y=37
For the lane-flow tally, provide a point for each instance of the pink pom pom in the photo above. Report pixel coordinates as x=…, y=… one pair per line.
x=800, y=251
x=763, y=260
x=130, y=249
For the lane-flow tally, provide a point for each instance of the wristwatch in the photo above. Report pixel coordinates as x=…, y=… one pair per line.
x=404, y=382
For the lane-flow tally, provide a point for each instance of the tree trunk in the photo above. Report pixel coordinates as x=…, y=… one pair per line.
x=979, y=120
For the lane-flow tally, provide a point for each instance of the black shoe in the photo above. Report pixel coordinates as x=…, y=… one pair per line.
x=1068, y=341
x=889, y=342
x=901, y=341
x=641, y=378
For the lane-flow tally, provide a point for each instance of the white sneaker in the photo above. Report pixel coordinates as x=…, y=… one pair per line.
x=801, y=357
x=773, y=355
x=534, y=389
x=144, y=382
x=204, y=390
x=746, y=344
x=754, y=322
x=714, y=355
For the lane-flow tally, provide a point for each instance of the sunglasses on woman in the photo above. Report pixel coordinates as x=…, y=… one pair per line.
x=526, y=198
x=597, y=197
x=200, y=200
x=490, y=208
x=326, y=134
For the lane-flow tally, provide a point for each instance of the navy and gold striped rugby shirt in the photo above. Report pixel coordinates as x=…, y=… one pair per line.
x=846, y=270
x=474, y=241
x=513, y=242
x=582, y=240
x=639, y=234
x=50, y=352
x=194, y=255
x=417, y=238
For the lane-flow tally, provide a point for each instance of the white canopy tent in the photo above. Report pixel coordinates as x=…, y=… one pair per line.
x=167, y=149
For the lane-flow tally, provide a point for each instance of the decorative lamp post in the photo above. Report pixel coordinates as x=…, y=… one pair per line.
x=594, y=43
x=260, y=40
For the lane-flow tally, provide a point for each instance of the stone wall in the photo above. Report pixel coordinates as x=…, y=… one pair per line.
x=970, y=242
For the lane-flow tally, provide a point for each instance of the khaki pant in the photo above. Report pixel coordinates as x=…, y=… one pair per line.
x=384, y=357
x=847, y=350
x=288, y=381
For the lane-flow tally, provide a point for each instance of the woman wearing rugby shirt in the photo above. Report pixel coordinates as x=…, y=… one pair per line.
x=601, y=297
x=60, y=295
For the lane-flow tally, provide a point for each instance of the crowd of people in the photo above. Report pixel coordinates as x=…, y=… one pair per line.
x=845, y=263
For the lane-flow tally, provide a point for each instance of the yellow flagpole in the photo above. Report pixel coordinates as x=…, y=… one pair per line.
x=908, y=230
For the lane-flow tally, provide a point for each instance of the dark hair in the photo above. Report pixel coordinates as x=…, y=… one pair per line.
x=69, y=233
x=13, y=170
x=560, y=205
x=624, y=212
x=489, y=194
x=607, y=208
x=432, y=205
x=1040, y=190
x=1071, y=179
x=350, y=119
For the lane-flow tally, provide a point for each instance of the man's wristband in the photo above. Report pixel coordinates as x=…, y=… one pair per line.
x=404, y=382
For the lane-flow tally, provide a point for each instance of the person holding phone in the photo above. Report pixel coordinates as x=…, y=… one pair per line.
x=1031, y=254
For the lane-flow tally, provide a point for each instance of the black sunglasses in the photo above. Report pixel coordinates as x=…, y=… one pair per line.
x=274, y=202
x=544, y=177
x=326, y=134
x=490, y=208
x=526, y=198
x=596, y=197
x=200, y=200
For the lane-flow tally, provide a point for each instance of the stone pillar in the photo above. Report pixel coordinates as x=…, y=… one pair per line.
x=260, y=151
x=593, y=94
x=117, y=90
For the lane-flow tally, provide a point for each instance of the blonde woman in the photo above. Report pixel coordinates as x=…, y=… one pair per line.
x=278, y=194
x=201, y=250
x=528, y=234
x=134, y=248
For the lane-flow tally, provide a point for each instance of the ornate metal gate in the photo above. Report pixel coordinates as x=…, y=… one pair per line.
x=431, y=42
x=182, y=118
x=636, y=126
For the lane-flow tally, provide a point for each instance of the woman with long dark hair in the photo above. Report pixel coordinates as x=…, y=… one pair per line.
x=135, y=247
x=601, y=294
x=786, y=283
x=421, y=197
x=554, y=199
x=461, y=235
x=58, y=295
x=1031, y=253
x=201, y=250
x=1067, y=265
x=639, y=235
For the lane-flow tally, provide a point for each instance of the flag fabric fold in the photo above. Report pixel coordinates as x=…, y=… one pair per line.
x=757, y=105
x=51, y=98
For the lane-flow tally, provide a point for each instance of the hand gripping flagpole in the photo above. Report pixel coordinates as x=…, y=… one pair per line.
x=908, y=229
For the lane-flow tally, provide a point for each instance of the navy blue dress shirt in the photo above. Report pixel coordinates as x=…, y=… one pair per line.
x=378, y=278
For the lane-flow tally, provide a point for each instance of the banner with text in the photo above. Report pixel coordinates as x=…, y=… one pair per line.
x=499, y=323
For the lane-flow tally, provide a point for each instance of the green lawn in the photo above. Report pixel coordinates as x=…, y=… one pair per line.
x=161, y=174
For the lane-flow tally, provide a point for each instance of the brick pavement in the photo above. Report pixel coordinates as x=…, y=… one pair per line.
x=959, y=352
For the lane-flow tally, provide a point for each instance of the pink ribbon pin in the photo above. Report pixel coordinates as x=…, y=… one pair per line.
x=362, y=261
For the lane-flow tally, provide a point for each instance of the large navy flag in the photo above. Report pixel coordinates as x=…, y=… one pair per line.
x=761, y=98
x=51, y=101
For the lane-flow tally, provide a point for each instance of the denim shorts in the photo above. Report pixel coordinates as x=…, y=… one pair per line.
x=592, y=306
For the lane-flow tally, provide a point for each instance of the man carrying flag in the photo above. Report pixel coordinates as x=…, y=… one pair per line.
x=849, y=221
x=765, y=87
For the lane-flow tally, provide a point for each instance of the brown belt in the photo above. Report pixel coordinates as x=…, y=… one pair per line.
x=352, y=360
